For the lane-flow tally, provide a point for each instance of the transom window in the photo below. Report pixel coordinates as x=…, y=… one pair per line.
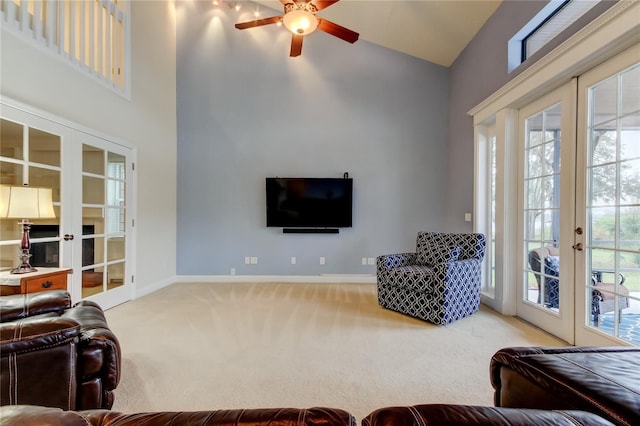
x=554, y=18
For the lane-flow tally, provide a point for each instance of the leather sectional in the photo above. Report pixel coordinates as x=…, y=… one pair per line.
x=533, y=386
x=56, y=355
x=418, y=415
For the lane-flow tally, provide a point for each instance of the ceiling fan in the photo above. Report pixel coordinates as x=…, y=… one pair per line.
x=300, y=18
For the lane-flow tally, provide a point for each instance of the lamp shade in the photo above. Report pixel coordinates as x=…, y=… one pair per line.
x=25, y=202
x=300, y=22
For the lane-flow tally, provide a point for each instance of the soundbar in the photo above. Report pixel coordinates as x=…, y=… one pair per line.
x=310, y=230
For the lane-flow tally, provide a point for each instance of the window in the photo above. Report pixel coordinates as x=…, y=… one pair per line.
x=546, y=25
x=486, y=223
x=93, y=35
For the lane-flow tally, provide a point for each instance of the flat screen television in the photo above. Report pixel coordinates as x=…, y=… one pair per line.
x=309, y=202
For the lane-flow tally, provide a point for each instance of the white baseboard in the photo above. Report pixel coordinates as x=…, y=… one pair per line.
x=324, y=278
x=140, y=292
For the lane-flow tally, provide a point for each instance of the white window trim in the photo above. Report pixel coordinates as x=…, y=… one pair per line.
x=616, y=30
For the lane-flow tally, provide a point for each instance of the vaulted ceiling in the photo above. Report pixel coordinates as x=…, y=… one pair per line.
x=434, y=30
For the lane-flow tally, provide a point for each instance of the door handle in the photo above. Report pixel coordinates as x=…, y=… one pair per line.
x=577, y=246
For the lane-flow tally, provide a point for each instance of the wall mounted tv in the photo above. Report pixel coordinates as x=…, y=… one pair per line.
x=311, y=203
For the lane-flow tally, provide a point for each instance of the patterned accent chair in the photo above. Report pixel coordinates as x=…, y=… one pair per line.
x=439, y=283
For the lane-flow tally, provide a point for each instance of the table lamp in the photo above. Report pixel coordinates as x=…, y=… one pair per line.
x=25, y=202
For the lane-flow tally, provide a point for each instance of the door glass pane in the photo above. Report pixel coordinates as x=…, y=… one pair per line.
x=92, y=190
x=542, y=209
x=47, y=178
x=613, y=173
x=92, y=220
x=92, y=282
x=115, y=248
x=11, y=135
x=92, y=160
x=115, y=275
x=630, y=95
x=44, y=147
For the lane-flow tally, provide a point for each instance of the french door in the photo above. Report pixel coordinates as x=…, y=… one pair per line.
x=92, y=183
x=608, y=200
x=579, y=204
x=546, y=176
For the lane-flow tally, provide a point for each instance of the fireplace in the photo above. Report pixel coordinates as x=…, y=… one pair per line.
x=47, y=254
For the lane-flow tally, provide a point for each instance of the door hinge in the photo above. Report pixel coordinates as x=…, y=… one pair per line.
x=133, y=166
x=132, y=278
x=133, y=222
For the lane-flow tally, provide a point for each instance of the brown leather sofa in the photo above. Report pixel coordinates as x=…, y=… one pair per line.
x=28, y=415
x=602, y=380
x=418, y=415
x=54, y=354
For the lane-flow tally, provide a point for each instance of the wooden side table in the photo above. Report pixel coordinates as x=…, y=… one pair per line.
x=41, y=280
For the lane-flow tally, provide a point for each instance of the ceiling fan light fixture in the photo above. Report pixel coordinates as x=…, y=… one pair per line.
x=300, y=22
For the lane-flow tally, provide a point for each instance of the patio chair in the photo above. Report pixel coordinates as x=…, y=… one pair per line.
x=602, y=295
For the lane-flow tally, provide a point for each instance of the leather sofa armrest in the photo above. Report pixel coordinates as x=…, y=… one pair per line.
x=18, y=306
x=99, y=348
x=38, y=359
x=33, y=415
x=32, y=334
x=446, y=414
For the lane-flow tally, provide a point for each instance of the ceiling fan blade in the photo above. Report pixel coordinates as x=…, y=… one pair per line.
x=338, y=31
x=258, y=22
x=296, y=45
x=321, y=4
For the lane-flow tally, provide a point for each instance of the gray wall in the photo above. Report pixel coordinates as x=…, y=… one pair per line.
x=479, y=71
x=247, y=111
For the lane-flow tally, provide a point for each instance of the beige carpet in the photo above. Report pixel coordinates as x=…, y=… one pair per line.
x=251, y=345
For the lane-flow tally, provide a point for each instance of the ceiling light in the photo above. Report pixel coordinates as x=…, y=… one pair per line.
x=300, y=22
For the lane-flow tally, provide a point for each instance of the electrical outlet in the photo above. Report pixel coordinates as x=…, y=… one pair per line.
x=293, y=260
x=233, y=271
x=467, y=217
x=364, y=260
x=371, y=261
x=322, y=260
x=247, y=260
x=254, y=260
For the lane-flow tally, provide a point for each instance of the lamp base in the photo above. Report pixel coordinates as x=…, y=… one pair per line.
x=24, y=267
